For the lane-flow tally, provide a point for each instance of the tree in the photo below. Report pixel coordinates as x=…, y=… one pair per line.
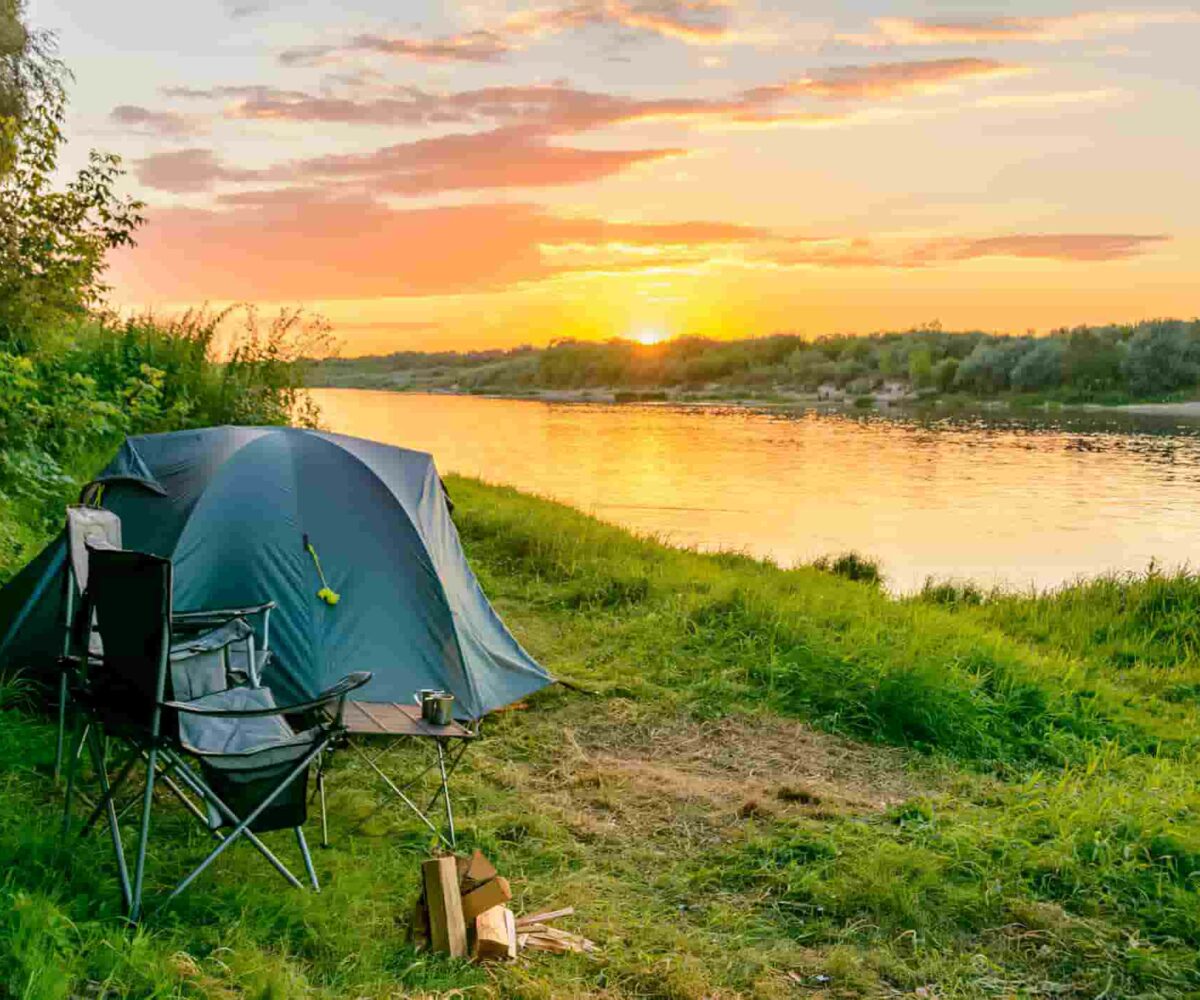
x=920, y=367
x=1041, y=367
x=53, y=242
x=944, y=373
x=1163, y=356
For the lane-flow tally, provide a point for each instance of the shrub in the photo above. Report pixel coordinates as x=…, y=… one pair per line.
x=852, y=566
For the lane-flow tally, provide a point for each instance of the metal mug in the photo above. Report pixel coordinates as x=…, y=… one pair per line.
x=424, y=697
x=442, y=708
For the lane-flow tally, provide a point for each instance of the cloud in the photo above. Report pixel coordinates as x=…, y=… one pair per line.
x=501, y=158
x=875, y=81
x=473, y=46
x=188, y=170
x=890, y=31
x=1065, y=248
x=306, y=245
x=147, y=122
x=302, y=244
x=1085, y=247
x=693, y=22
x=559, y=109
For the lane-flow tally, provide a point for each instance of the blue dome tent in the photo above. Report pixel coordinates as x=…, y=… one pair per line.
x=235, y=507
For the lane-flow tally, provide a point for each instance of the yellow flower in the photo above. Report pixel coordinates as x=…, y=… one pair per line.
x=328, y=596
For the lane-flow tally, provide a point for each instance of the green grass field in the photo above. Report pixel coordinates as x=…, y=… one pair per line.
x=778, y=784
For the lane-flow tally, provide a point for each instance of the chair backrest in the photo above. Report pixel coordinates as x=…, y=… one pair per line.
x=94, y=527
x=99, y=529
x=130, y=593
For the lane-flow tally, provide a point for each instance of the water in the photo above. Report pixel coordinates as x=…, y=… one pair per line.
x=997, y=502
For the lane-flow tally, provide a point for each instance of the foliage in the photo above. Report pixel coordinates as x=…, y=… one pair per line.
x=852, y=566
x=53, y=242
x=1144, y=360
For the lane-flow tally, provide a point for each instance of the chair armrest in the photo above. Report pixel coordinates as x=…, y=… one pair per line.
x=351, y=682
x=218, y=616
x=208, y=642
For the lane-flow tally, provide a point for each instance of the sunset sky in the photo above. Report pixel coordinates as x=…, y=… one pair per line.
x=489, y=174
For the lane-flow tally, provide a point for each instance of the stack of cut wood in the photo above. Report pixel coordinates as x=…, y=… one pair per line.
x=462, y=911
x=534, y=932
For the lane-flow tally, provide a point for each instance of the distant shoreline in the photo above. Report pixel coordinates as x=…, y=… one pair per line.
x=1189, y=409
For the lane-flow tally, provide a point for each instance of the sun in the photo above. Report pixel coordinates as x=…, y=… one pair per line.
x=650, y=335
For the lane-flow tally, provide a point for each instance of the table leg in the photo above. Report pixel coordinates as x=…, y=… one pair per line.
x=446, y=792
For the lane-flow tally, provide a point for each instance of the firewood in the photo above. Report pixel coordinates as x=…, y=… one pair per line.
x=447, y=926
x=493, y=893
x=491, y=933
x=542, y=918
x=476, y=871
x=510, y=928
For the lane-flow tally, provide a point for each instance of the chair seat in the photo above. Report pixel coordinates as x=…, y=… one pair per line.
x=259, y=741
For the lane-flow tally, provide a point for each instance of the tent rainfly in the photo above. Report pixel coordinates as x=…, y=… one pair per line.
x=235, y=507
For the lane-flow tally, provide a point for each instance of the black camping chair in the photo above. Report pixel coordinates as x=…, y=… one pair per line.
x=97, y=528
x=171, y=707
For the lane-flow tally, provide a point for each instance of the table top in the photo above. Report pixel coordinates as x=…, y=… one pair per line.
x=390, y=718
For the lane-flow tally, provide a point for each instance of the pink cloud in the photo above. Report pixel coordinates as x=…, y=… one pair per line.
x=148, y=122
x=501, y=158
x=972, y=31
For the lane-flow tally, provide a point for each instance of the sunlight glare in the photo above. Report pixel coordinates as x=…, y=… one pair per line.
x=650, y=335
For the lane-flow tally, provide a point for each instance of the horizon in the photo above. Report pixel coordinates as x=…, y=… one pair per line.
x=493, y=176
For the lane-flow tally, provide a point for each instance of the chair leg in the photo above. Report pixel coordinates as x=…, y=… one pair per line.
x=308, y=862
x=199, y=788
x=321, y=794
x=62, y=725
x=243, y=826
x=97, y=749
x=135, y=909
x=78, y=731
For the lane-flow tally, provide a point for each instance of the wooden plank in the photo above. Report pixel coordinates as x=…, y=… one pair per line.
x=541, y=918
x=493, y=893
x=447, y=926
x=491, y=933
x=510, y=928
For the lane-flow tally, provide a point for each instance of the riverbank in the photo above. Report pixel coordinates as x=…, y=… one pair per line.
x=900, y=404
x=781, y=783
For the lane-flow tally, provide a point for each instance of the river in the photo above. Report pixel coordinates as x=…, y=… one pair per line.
x=1016, y=503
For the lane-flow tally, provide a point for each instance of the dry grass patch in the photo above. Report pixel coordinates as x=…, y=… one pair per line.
x=622, y=770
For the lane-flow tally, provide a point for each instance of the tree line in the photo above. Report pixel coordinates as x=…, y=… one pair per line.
x=1151, y=359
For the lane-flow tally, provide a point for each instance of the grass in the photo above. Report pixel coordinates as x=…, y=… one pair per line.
x=783, y=783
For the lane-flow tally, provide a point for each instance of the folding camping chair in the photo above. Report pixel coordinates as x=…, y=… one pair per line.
x=98, y=528
x=173, y=704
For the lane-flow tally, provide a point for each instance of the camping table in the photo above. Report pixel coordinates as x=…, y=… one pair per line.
x=402, y=722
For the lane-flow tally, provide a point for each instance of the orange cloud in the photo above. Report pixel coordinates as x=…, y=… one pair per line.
x=884, y=80
x=1069, y=27
x=301, y=244
x=304, y=245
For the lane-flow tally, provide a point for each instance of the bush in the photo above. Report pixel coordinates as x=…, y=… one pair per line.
x=852, y=566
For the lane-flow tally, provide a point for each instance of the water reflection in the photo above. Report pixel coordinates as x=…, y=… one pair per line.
x=1017, y=501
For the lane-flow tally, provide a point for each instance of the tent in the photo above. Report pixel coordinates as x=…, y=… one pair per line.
x=233, y=507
